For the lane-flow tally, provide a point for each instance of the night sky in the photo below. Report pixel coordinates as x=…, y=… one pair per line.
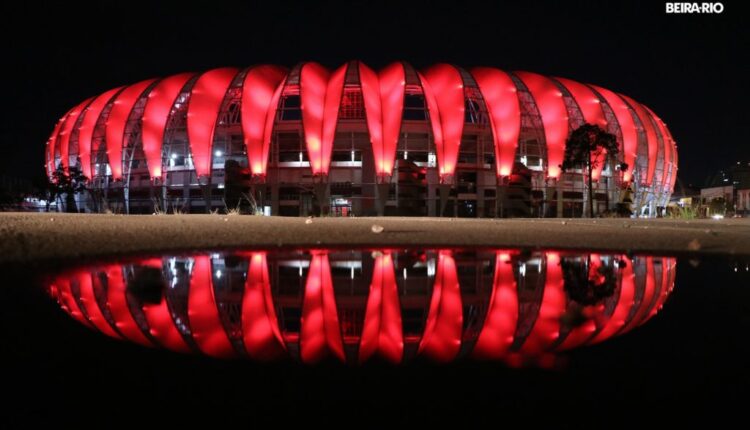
x=692, y=70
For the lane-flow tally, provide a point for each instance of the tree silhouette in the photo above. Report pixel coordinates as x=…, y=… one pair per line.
x=585, y=286
x=66, y=182
x=584, y=147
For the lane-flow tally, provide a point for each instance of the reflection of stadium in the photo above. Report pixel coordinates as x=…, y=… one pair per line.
x=444, y=141
x=356, y=305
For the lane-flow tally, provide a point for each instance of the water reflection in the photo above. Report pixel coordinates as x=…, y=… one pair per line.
x=353, y=306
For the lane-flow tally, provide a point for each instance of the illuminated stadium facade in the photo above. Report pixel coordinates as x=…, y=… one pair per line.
x=444, y=141
x=357, y=305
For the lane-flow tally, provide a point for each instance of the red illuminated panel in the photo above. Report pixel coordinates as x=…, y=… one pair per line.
x=155, y=115
x=624, y=304
x=93, y=312
x=51, y=142
x=203, y=112
x=668, y=272
x=442, y=335
x=649, y=294
x=117, y=301
x=260, y=328
x=627, y=128
x=86, y=128
x=162, y=328
x=549, y=101
x=501, y=97
x=159, y=318
x=320, y=92
x=115, y=128
x=320, y=333
x=547, y=326
x=592, y=111
x=205, y=323
x=382, y=333
x=673, y=146
x=260, y=98
x=383, y=95
x=67, y=301
x=444, y=92
x=668, y=150
x=653, y=143
x=496, y=336
x=67, y=130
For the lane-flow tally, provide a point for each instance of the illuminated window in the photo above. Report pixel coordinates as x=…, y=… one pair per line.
x=352, y=105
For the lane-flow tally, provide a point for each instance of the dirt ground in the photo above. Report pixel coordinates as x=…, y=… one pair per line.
x=27, y=237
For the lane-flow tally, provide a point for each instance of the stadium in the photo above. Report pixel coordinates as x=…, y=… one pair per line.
x=443, y=141
x=356, y=305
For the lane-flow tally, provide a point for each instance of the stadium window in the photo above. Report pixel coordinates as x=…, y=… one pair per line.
x=352, y=105
x=290, y=108
x=414, y=108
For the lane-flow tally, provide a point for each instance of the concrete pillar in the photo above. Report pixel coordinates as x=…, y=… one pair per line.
x=274, y=196
x=322, y=194
x=444, y=191
x=382, y=191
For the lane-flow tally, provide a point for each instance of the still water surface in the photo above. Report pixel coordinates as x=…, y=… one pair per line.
x=356, y=305
x=381, y=332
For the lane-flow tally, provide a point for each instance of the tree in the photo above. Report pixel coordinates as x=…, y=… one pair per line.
x=66, y=182
x=585, y=146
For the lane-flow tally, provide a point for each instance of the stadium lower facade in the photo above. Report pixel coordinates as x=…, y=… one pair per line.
x=444, y=141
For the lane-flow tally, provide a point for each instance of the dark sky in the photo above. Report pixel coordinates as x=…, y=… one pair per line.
x=692, y=70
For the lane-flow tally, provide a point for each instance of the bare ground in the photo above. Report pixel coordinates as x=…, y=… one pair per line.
x=31, y=237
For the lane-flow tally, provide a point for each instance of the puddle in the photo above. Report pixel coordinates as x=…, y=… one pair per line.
x=354, y=306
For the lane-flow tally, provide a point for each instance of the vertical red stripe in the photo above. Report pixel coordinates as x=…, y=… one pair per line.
x=203, y=112
x=441, y=340
x=51, y=145
x=260, y=328
x=86, y=128
x=203, y=314
x=501, y=97
x=624, y=304
x=155, y=116
x=260, y=96
x=496, y=336
x=320, y=333
x=159, y=319
x=549, y=101
x=382, y=333
x=668, y=151
x=88, y=299
x=444, y=92
x=547, y=326
x=627, y=128
x=651, y=138
x=116, y=122
x=320, y=92
x=383, y=95
x=649, y=294
x=592, y=111
x=67, y=301
x=67, y=130
x=117, y=302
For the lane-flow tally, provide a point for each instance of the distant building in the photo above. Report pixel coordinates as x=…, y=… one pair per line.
x=742, y=205
x=727, y=192
x=685, y=196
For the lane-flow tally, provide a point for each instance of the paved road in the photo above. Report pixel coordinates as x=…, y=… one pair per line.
x=28, y=237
